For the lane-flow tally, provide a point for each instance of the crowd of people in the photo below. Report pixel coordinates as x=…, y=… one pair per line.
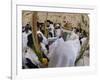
x=59, y=48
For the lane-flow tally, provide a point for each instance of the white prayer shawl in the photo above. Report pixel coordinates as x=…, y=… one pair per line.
x=73, y=36
x=75, y=44
x=43, y=48
x=53, y=56
x=53, y=46
x=24, y=45
x=25, y=40
x=74, y=39
x=23, y=58
x=63, y=53
x=45, y=41
x=32, y=56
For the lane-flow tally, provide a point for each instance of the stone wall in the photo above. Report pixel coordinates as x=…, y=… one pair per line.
x=73, y=18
